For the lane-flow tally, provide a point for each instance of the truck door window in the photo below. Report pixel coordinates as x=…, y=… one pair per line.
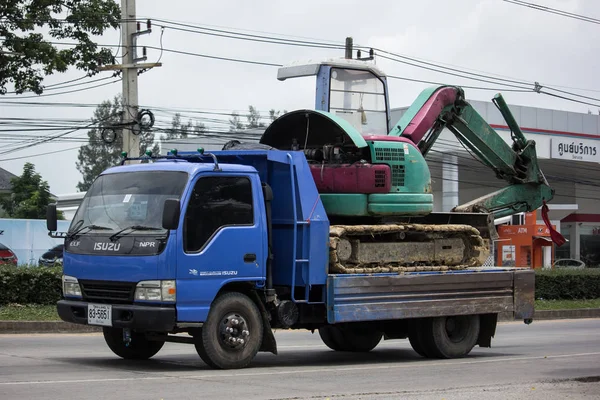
x=216, y=202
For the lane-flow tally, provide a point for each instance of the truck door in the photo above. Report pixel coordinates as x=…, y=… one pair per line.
x=222, y=239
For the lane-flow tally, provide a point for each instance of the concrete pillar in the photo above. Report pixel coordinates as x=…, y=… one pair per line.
x=574, y=240
x=547, y=257
x=449, y=182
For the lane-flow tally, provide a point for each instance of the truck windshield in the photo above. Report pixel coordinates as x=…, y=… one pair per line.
x=120, y=200
x=359, y=97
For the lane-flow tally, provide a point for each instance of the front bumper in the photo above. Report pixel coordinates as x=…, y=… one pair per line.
x=139, y=318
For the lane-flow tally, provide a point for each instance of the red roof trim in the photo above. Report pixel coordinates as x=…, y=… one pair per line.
x=581, y=218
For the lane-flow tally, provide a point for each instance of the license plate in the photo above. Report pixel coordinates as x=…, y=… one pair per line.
x=100, y=314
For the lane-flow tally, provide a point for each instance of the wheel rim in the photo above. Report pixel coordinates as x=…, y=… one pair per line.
x=457, y=328
x=233, y=332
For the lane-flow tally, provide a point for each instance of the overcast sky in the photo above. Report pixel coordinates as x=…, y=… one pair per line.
x=491, y=37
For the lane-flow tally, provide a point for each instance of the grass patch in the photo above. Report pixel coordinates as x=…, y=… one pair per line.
x=29, y=312
x=566, y=304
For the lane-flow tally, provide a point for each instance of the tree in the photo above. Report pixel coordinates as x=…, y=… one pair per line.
x=253, y=117
x=273, y=115
x=30, y=196
x=179, y=130
x=97, y=155
x=235, y=123
x=26, y=58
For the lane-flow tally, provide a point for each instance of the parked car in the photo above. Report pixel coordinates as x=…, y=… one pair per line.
x=569, y=263
x=52, y=257
x=7, y=256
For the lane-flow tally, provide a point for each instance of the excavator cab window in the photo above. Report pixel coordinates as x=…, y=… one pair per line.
x=358, y=96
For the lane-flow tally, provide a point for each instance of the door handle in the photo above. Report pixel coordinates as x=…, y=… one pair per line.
x=249, y=258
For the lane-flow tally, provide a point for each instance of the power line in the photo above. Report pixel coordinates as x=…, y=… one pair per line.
x=68, y=91
x=462, y=86
x=511, y=83
x=228, y=33
x=40, y=154
x=555, y=11
x=188, y=53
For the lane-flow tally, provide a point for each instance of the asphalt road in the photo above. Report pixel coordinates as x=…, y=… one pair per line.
x=546, y=360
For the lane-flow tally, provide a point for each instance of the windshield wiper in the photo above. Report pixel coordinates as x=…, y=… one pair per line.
x=88, y=227
x=133, y=228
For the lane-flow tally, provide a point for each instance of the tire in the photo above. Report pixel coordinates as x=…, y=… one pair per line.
x=216, y=344
x=451, y=337
x=358, y=339
x=332, y=337
x=415, y=337
x=140, y=348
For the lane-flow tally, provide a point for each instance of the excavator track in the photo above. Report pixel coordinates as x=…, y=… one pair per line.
x=357, y=249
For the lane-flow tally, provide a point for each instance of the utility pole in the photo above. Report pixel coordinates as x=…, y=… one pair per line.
x=348, y=48
x=131, y=142
x=130, y=30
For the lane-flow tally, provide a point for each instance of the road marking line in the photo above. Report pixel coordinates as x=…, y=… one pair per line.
x=300, y=371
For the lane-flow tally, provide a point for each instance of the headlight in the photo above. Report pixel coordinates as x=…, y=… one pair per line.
x=71, y=286
x=156, y=291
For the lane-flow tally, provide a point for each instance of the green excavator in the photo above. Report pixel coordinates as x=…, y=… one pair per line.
x=374, y=179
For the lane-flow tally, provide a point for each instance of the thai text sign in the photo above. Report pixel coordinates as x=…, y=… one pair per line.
x=576, y=150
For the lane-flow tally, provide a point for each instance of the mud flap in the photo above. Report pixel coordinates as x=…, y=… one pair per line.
x=269, y=344
x=487, y=329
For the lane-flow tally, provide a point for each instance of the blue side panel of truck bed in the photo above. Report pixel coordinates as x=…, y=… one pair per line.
x=298, y=215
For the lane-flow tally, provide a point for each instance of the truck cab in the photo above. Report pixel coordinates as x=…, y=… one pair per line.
x=125, y=269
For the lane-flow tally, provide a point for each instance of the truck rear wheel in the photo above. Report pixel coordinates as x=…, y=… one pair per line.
x=332, y=337
x=450, y=337
x=360, y=339
x=416, y=339
x=232, y=333
x=139, y=348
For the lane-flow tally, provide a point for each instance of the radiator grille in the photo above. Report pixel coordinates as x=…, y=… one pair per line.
x=107, y=291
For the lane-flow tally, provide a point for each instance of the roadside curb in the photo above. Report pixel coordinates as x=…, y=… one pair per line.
x=9, y=327
x=566, y=314
x=45, y=327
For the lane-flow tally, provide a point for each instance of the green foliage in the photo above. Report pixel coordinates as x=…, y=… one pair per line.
x=566, y=304
x=30, y=196
x=27, y=57
x=97, y=155
x=567, y=284
x=29, y=312
x=32, y=285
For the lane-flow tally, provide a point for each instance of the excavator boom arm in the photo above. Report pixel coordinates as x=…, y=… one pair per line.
x=445, y=107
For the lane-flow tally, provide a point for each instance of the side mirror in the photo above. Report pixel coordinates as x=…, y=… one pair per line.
x=51, y=218
x=171, y=212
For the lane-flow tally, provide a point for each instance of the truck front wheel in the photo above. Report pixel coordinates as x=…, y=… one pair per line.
x=232, y=333
x=139, y=348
